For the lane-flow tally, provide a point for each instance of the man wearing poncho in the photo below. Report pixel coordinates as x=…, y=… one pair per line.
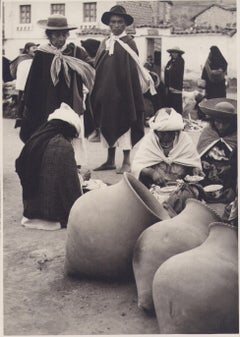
x=117, y=98
x=59, y=73
x=166, y=153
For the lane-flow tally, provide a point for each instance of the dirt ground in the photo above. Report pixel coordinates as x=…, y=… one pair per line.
x=38, y=298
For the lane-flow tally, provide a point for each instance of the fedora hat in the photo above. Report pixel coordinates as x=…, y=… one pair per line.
x=219, y=108
x=56, y=22
x=176, y=50
x=117, y=10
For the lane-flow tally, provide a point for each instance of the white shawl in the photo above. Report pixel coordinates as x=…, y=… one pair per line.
x=150, y=153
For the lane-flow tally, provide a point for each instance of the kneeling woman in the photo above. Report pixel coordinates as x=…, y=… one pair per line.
x=48, y=171
x=166, y=153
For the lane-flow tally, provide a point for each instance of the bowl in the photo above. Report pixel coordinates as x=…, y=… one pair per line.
x=193, y=179
x=213, y=191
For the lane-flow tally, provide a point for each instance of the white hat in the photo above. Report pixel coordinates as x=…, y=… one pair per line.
x=67, y=114
x=166, y=119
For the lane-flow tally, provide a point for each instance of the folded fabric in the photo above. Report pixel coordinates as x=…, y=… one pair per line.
x=40, y=224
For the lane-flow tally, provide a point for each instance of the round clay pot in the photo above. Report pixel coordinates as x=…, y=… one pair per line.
x=196, y=292
x=165, y=239
x=103, y=228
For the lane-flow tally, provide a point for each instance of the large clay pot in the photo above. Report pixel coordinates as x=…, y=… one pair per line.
x=167, y=238
x=196, y=292
x=104, y=225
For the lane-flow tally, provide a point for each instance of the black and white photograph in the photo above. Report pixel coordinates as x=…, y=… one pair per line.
x=119, y=168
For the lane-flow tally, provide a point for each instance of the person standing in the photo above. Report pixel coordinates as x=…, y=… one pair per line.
x=117, y=99
x=214, y=72
x=59, y=73
x=22, y=72
x=173, y=78
x=27, y=54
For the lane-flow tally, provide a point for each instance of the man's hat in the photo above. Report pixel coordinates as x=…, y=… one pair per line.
x=91, y=46
x=29, y=45
x=219, y=108
x=56, y=22
x=175, y=50
x=117, y=10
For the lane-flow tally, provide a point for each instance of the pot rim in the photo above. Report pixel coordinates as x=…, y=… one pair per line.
x=165, y=214
x=223, y=224
x=205, y=206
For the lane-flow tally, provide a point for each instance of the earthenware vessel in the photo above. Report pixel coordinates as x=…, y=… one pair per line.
x=165, y=239
x=104, y=225
x=196, y=292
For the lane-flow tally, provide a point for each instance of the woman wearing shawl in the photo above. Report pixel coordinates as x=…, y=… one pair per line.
x=59, y=73
x=218, y=144
x=166, y=153
x=214, y=72
x=48, y=173
x=173, y=78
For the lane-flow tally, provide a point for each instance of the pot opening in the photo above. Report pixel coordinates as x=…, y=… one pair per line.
x=143, y=194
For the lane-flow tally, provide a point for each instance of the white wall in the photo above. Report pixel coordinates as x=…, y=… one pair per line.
x=17, y=34
x=196, y=47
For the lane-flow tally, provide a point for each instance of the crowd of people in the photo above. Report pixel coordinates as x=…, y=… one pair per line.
x=72, y=92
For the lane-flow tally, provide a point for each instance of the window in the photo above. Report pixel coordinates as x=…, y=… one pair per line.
x=25, y=14
x=90, y=12
x=58, y=9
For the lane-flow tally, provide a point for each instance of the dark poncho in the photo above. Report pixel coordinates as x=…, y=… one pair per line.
x=214, y=61
x=117, y=99
x=48, y=173
x=42, y=97
x=173, y=73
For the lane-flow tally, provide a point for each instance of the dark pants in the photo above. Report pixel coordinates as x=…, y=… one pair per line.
x=175, y=101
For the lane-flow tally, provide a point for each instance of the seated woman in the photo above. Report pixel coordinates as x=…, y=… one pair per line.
x=217, y=145
x=166, y=153
x=48, y=171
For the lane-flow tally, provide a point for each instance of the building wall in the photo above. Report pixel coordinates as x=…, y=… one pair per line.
x=196, y=49
x=16, y=34
x=216, y=16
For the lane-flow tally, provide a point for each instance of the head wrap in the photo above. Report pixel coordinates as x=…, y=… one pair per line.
x=166, y=119
x=67, y=114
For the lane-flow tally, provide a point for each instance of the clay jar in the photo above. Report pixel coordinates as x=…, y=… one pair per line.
x=196, y=292
x=103, y=228
x=165, y=239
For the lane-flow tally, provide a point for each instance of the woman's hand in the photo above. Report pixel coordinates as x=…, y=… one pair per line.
x=198, y=172
x=158, y=178
x=206, y=165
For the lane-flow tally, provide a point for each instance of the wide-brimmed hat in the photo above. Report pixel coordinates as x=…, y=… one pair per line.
x=91, y=46
x=29, y=45
x=175, y=50
x=117, y=10
x=219, y=108
x=56, y=22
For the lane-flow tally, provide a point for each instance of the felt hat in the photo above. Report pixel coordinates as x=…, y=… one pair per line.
x=117, y=10
x=56, y=22
x=219, y=108
x=175, y=50
x=91, y=46
x=29, y=45
x=67, y=114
